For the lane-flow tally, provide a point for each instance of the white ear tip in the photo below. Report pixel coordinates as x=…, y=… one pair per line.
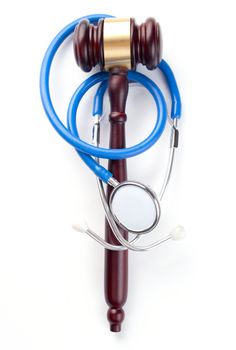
x=78, y=228
x=178, y=233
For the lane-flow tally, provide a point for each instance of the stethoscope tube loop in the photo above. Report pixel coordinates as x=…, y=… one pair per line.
x=70, y=134
x=86, y=151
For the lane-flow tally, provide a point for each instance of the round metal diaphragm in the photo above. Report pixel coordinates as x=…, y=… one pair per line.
x=135, y=207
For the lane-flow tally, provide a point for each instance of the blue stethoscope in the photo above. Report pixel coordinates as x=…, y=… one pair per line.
x=132, y=206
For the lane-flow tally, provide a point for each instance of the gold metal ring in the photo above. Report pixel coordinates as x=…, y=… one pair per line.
x=116, y=41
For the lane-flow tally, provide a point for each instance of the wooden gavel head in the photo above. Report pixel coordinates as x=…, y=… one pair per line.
x=115, y=42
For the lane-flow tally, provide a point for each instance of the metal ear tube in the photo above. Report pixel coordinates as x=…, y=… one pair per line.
x=132, y=209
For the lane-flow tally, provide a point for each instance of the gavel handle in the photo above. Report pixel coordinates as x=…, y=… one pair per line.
x=116, y=263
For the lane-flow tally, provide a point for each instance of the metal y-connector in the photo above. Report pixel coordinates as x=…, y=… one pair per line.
x=174, y=141
x=96, y=130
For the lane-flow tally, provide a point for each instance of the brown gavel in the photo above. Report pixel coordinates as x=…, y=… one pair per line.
x=117, y=45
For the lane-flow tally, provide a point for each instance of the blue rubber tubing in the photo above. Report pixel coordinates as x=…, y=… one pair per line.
x=70, y=134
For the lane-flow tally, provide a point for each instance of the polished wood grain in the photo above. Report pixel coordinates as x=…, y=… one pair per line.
x=116, y=263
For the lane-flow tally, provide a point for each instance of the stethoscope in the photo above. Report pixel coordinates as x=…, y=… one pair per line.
x=132, y=206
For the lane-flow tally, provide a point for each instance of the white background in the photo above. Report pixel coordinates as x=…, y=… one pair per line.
x=182, y=295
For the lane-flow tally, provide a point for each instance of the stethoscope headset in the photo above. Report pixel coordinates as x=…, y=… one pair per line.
x=132, y=206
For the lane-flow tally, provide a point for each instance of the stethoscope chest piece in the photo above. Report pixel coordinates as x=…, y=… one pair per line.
x=135, y=207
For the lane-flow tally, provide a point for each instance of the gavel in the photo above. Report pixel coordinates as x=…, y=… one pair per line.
x=117, y=45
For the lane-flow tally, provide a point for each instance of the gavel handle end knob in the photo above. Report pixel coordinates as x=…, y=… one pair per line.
x=115, y=317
